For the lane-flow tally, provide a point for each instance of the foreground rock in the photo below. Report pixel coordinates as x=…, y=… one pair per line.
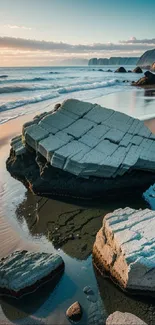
x=147, y=80
x=23, y=272
x=119, y=318
x=83, y=150
x=121, y=70
x=125, y=248
x=74, y=312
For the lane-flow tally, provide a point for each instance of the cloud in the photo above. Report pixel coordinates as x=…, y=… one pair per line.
x=34, y=45
x=134, y=40
x=17, y=27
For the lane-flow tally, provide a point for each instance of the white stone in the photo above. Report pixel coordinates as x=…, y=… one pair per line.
x=22, y=269
x=118, y=318
x=128, y=235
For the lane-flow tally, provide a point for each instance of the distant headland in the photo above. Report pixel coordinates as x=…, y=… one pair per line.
x=114, y=61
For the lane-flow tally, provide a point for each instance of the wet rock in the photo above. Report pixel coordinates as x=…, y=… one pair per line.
x=74, y=312
x=23, y=272
x=4, y=76
x=101, y=70
x=121, y=70
x=88, y=291
x=147, y=80
x=138, y=70
x=124, y=319
x=124, y=247
x=109, y=70
x=129, y=71
x=57, y=106
x=83, y=150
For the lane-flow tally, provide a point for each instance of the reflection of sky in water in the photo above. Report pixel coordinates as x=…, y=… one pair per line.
x=138, y=103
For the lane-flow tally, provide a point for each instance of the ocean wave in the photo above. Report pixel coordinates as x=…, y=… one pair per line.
x=55, y=93
x=16, y=89
x=23, y=102
x=88, y=86
x=36, y=79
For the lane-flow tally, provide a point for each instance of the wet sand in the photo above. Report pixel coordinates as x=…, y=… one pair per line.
x=31, y=222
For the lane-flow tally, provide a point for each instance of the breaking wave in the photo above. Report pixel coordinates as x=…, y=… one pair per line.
x=55, y=92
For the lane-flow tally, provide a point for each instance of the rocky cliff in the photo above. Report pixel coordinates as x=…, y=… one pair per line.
x=147, y=59
x=114, y=61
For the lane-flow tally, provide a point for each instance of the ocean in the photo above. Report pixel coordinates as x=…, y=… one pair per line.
x=24, y=87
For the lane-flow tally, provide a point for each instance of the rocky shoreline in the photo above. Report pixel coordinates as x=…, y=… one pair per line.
x=35, y=169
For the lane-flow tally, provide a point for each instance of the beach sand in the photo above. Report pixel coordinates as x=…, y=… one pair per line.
x=30, y=222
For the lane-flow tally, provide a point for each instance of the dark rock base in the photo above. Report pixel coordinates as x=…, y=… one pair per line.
x=35, y=286
x=44, y=180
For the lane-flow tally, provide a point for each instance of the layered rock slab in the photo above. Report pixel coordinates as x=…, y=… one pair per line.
x=125, y=248
x=23, y=272
x=83, y=145
x=90, y=140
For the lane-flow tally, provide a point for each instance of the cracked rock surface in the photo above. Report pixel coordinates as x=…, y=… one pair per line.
x=22, y=272
x=81, y=150
x=125, y=248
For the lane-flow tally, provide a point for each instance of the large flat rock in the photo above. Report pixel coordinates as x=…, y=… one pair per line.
x=22, y=272
x=89, y=140
x=125, y=247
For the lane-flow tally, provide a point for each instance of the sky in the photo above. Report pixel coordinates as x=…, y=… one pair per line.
x=52, y=32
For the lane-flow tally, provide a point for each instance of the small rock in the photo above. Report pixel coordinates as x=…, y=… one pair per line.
x=74, y=312
x=137, y=70
x=121, y=70
x=88, y=291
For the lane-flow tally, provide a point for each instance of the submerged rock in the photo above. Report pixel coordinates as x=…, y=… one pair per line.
x=147, y=80
x=74, y=312
x=118, y=318
x=83, y=150
x=121, y=70
x=23, y=272
x=125, y=248
x=4, y=76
